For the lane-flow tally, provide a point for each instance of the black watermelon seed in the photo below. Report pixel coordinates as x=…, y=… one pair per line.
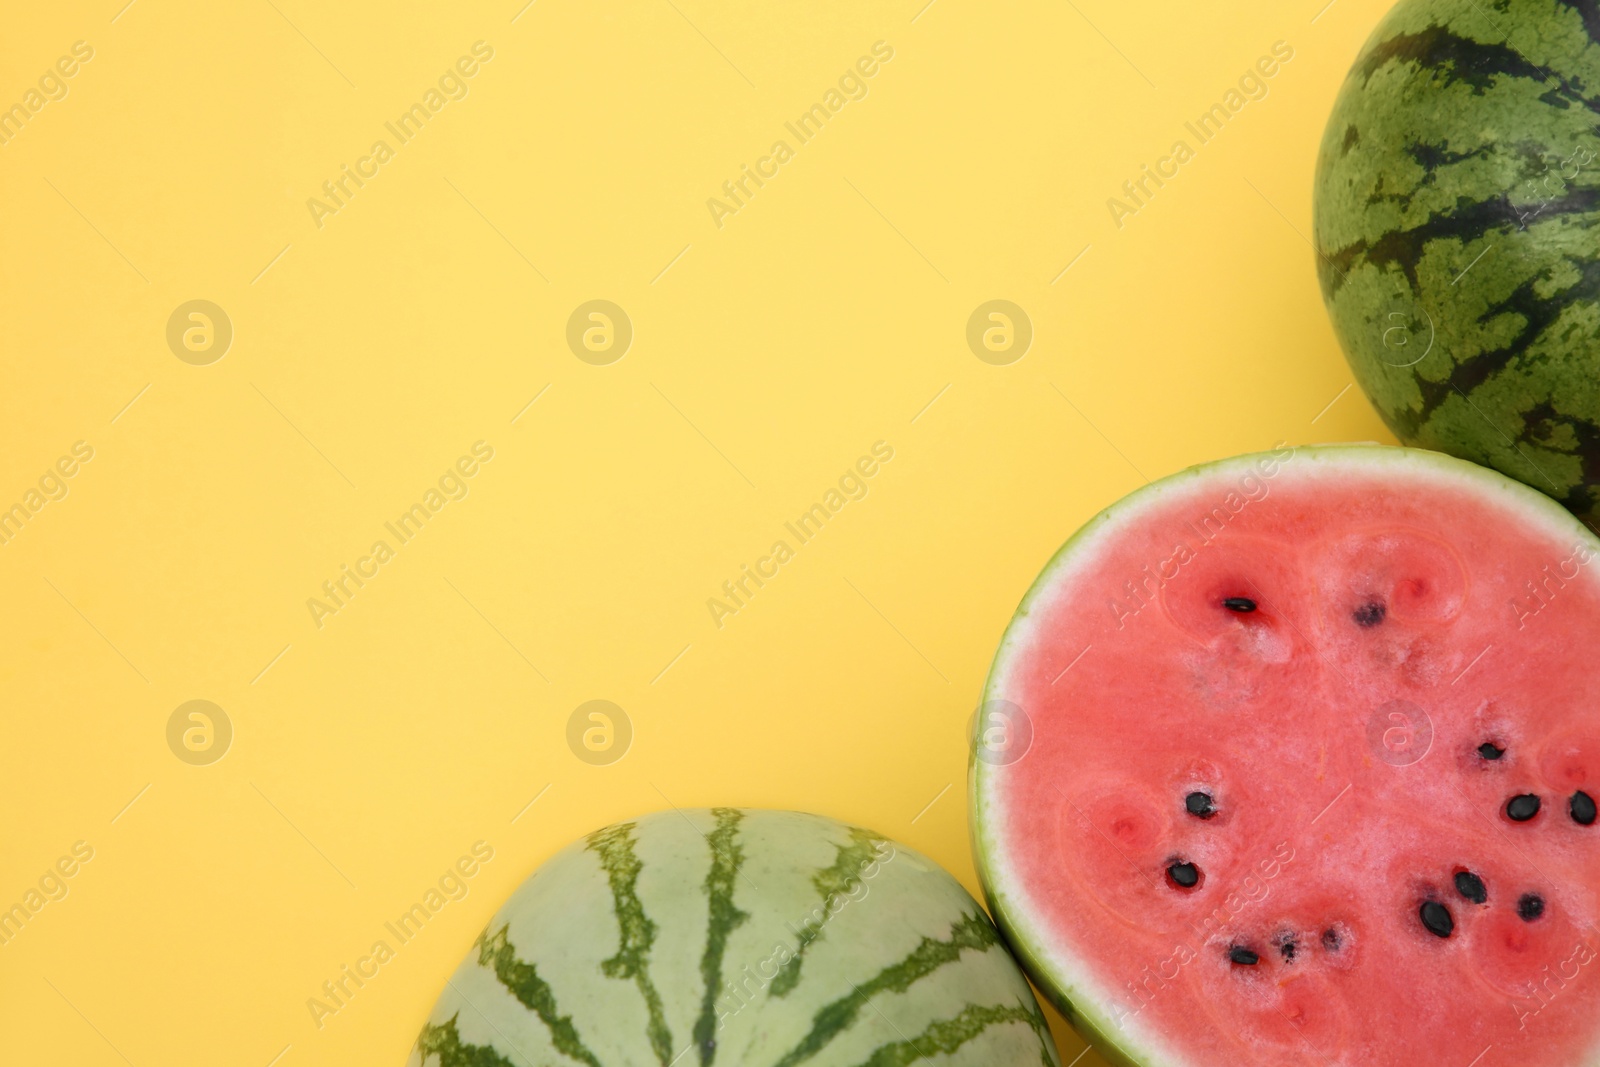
x=1490, y=750
x=1287, y=948
x=1199, y=805
x=1582, y=808
x=1522, y=807
x=1471, y=886
x=1243, y=956
x=1184, y=875
x=1331, y=940
x=1242, y=604
x=1529, y=907
x=1436, y=917
x=1369, y=614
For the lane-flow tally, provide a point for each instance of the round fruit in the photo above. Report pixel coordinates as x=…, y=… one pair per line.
x=1456, y=203
x=745, y=938
x=1291, y=760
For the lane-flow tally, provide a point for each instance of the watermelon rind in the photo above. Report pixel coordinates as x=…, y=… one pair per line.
x=1456, y=200
x=737, y=937
x=1066, y=981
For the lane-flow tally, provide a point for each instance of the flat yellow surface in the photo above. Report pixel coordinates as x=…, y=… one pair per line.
x=378, y=339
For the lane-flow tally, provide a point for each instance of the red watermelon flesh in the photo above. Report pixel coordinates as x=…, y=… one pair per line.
x=1251, y=756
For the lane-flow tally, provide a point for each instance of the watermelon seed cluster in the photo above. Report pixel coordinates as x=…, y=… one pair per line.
x=1521, y=808
x=1436, y=917
x=1288, y=948
x=1524, y=806
x=1181, y=872
x=1243, y=955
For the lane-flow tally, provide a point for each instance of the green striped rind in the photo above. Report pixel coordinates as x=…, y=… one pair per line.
x=443, y=1043
x=1456, y=201
x=615, y=848
x=947, y=1035
x=726, y=856
x=1070, y=982
x=973, y=931
x=522, y=981
x=661, y=940
x=832, y=883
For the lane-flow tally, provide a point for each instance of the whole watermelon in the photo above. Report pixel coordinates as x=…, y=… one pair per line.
x=1455, y=219
x=745, y=938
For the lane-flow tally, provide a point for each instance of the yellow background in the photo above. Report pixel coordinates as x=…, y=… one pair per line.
x=768, y=354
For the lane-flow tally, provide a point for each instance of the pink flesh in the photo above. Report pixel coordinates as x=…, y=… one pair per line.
x=1323, y=824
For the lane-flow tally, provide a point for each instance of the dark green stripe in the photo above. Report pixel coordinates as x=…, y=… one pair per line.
x=947, y=1035
x=1467, y=221
x=726, y=856
x=832, y=883
x=1537, y=312
x=1551, y=430
x=443, y=1042
x=522, y=981
x=972, y=931
x=1590, y=13
x=1441, y=50
x=614, y=845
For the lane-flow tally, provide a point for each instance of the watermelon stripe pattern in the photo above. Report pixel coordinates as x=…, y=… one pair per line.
x=524, y=983
x=446, y=1045
x=971, y=932
x=948, y=1035
x=830, y=883
x=1456, y=202
x=615, y=846
x=726, y=857
x=678, y=937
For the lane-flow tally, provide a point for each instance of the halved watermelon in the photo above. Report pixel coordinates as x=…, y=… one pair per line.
x=1293, y=759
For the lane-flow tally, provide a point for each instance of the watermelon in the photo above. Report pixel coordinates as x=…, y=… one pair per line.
x=1293, y=759
x=737, y=937
x=1456, y=200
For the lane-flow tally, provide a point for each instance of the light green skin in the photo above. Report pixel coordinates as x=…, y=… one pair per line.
x=628, y=949
x=1455, y=213
x=1051, y=966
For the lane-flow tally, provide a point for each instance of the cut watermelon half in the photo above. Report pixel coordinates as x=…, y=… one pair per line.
x=1293, y=759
